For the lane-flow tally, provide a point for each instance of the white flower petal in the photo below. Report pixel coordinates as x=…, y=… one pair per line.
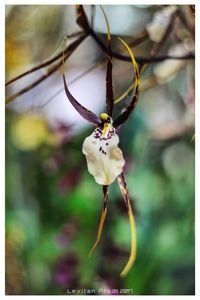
x=104, y=158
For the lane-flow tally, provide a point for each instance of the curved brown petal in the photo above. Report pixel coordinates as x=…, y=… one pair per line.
x=124, y=116
x=109, y=88
x=84, y=112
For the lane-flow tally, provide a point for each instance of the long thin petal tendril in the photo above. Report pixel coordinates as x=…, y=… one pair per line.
x=133, y=242
x=107, y=24
x=124, y=191
x=124, y=115
x=102, y=220
x=125, y=94
x=109, y=87
x=130, y=88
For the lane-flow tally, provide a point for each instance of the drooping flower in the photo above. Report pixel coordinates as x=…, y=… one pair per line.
x=104, y=158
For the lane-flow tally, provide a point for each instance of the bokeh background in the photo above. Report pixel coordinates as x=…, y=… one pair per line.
x=53, y=205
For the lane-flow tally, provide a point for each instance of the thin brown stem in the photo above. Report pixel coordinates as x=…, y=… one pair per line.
x=44, y=64
x=52, y=70
x=140, y=59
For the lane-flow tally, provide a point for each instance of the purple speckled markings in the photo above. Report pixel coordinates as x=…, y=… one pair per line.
x=98, y=134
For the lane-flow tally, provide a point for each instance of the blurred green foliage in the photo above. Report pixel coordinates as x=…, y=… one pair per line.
x=49, y=225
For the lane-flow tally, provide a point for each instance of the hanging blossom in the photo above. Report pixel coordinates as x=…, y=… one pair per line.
x=104, y=158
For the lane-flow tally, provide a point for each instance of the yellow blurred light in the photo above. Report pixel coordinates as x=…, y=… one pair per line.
x=29, y=132
x=16, y=58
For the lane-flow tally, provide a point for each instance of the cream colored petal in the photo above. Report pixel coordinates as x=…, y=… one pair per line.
x=104, y=158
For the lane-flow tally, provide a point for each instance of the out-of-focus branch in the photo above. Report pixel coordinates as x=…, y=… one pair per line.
x=185, y=22
x=140, y=59
x=46, y=63
x=84, y=73
x=157, y=46
x=88, y=30
x=52, y=70
x=93, y=16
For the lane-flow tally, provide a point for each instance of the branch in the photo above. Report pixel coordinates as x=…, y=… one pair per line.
x=45, y=64
x=140, y=59
x=88, y=30
x=68, y=52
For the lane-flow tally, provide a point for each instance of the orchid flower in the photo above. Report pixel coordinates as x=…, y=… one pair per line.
x=104, y=158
